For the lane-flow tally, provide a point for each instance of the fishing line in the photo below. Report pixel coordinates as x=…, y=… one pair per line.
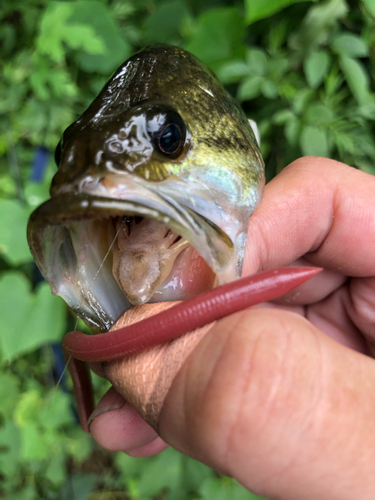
x=63, y=372
x=54, y=390
x=77, y=319
x=105, y=258
x=57, y=385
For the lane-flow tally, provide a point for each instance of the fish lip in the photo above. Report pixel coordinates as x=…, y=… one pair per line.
x=213, y=243
x=49, y=226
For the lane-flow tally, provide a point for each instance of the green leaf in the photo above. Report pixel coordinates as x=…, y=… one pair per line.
x=57, y=411
x=367, y=107
x=29, y=407
x=269, y=89
x=292, y=131
x=217, y=33
x=277, y=67
x=29, y=319
x=249, y=88
x=224, y=489
x=238, y=492
x=36, y=193
x=47, y=83
x=81, y=485
x=8, y=186
x=164, y=471
x=370, y=6
x=349, y=45
x=27, y=493
x=52, y=28
x=313, y=142
x=257, y=61
x=316, y=27
x=38, y=116
x=194, y=473
x=316, y=66
x=9, y=393
x=278, y=35
x=13, y=223
x=212, y=488
x=318, y=114
x=163, y=24
x=260, y=9
x=130, y=466
x=233, y=71
x=34, y=445
x=301, y=100
x=80, y=445
x=10, y=446
x=115, y=50
x=40, y=438
x=366, y=166
x=283, y=116
x=55, y=32
x=356, y=77
x=333, y=82
x=56, y=470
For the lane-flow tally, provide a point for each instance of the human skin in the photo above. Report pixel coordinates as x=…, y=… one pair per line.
x=282, y=396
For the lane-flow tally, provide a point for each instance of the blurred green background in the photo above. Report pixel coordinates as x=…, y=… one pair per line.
x=303, y=70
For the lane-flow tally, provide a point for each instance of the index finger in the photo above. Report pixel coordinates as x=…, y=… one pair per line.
x=317, y=208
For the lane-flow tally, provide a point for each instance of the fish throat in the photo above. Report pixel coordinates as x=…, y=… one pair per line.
x=153, y=263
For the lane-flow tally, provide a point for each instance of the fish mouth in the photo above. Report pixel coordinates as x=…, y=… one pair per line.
x=88, y=247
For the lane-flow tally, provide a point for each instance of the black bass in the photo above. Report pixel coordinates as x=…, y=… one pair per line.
x=156, y=183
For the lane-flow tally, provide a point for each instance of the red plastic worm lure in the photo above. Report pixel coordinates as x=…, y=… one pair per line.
x=172, y=323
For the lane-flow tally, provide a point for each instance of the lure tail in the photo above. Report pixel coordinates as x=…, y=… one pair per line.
x=172, y=323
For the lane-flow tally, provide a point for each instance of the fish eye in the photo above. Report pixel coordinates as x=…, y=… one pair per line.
x=58, y=154
x=170, y=139
x=168, y=133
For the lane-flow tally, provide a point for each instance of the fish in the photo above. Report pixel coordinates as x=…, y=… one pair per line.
x=155, y=186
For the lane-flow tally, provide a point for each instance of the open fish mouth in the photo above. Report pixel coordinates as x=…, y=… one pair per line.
x=105, y=250
x=155, y=186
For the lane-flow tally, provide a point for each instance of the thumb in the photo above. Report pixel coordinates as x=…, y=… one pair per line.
x=267, y=398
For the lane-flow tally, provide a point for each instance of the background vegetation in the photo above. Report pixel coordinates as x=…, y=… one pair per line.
x=302, y=69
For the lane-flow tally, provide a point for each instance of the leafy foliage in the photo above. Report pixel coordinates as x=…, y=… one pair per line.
x=303, y=70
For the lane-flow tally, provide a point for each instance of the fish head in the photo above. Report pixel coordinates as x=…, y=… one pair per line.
x=157, y=177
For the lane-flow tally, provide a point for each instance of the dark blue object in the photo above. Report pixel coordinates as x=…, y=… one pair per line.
x=39, y=167
x=38, y=171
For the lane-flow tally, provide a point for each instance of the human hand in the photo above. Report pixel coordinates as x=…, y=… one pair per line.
x=273, y=396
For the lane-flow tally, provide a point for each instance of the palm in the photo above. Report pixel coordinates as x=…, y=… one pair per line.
x=269, y=394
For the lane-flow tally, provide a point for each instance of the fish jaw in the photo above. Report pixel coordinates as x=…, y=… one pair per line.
x=73, y=240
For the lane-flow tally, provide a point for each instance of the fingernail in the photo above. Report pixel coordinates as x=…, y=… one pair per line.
x=104, y=409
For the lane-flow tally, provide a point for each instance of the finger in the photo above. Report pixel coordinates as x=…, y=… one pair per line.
x=332, y=309
x=359, y=303
x=270, y=400
x=317, y=207
x=156, y=446
x=116, y=426
x=323, y=284
x=331, y=317
x=325, y=211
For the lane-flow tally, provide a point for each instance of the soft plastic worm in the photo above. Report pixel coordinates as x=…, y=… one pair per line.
x=171, y=323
